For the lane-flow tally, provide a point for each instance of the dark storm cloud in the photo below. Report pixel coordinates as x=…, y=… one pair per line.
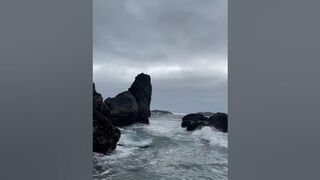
x=182, y=44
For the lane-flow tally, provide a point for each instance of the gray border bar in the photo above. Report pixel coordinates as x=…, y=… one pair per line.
x=274, y=89
x=46, y=89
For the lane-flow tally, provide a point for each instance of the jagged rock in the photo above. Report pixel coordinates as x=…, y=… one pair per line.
x=105, y=135
x=161, y=112
x=141, y=89
x=219, y=121
x=98, y=104
x=194, y=121
x=123, y=109
x=124, y=102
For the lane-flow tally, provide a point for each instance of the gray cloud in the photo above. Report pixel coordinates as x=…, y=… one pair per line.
x=182, y=44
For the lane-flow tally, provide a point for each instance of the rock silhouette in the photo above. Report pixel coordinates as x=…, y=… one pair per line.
x=132, y=106
x=105, y=135
x=220, y=121
x=141, y=89
x=196, y=121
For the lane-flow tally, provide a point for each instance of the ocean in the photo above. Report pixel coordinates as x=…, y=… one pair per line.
x=164, y=150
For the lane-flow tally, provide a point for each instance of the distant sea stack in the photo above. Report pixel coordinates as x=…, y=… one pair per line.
x=161, y=112
x=132, y=106
x=195, y=121
x=105, y=135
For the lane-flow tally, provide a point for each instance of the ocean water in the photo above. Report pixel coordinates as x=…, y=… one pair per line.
x=164, y=150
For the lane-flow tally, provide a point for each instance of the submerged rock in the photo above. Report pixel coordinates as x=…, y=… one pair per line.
x=105, y=135
x=220, y=121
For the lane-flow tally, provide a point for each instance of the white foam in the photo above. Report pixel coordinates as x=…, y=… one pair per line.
x=214, y=137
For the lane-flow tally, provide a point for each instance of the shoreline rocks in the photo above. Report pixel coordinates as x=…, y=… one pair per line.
x=105, y=135
x=195, y=121
x=220, y=121
x=126, y=108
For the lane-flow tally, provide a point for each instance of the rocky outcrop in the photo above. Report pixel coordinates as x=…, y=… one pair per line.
x=123, y=103
x=220, y=121
x=195, y=121
x=105, y=135
x=141, y=89
x=160, y=112
x=132, y=106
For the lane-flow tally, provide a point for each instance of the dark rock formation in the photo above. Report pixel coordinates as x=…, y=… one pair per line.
x=98, y=104
x=194, y=121
x=123, y=109
x=131, y=106
x=124, y=102
x=219, y=121
x=105, y=135
x=161, y=112
x=141, y=89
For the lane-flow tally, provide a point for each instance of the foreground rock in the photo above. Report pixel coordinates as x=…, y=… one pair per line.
x=132, y=106
x=196, y=121
x=161, y=112
x=105, y=135
x=220, y=121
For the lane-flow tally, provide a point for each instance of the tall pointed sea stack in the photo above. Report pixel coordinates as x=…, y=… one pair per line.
x=141, y=89
x=132, y=106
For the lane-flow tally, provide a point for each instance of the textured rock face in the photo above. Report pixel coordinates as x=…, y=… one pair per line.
x=220, y=121
x=194, y=121
x=123, y=109
x=124, y=102
x=141, y=89
x=105, y=135
x=131, y=106
x=98, y=104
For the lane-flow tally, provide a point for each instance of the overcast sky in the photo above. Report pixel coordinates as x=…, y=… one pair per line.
x=181, y=44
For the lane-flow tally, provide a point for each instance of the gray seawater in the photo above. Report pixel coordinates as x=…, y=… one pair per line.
x=173, y=153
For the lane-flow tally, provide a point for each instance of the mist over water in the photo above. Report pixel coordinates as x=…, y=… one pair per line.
x=164, y=150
